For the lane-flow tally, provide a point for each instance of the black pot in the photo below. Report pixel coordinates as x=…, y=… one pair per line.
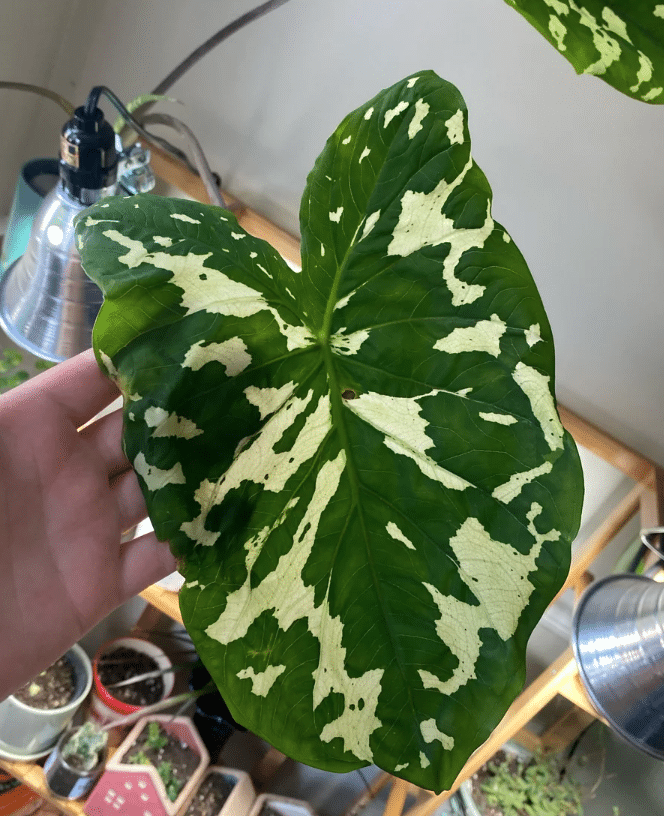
x=212, y=717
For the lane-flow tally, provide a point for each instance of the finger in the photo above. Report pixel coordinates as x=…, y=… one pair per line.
x=78, y=385
x=129, y=498
x=105, y=435
x=144, y=561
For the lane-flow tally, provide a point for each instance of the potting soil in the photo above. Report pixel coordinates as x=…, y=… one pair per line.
x=174, y=760
x=211, y=795
x=52, y=688
x=122, y=663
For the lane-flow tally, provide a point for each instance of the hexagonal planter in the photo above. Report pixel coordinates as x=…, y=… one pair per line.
x=134, y=789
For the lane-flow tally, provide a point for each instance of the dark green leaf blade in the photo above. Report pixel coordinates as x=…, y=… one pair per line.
x=621, y=41
x=360, y=463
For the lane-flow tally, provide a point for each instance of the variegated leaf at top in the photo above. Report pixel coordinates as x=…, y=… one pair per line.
x=360, y=464
x=621, y=41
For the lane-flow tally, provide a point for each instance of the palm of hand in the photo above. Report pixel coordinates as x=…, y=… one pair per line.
x=66, y=497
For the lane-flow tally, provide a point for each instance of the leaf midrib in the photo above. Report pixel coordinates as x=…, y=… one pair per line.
x=337, y=410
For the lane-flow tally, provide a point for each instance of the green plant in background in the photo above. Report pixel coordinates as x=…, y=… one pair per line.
x=621, y=41
x=10, y=373
x=86, y=743
x=137, y=103
x=531, y=787
x=360, y=464
x=172, y=784
x=139, y=758
x=156, y=738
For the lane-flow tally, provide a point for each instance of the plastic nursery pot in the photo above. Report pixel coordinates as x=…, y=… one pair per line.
x=28, y=733
x=134, y=789
x=107, y=706
x=239, y=792
x=66, y=781
x=280, y=806
x=212, y=717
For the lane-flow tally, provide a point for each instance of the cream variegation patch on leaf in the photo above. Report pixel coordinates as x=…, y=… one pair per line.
x=360, y=464
x=621, y=41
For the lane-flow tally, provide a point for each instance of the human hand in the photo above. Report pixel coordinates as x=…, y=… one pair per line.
x=66, y=497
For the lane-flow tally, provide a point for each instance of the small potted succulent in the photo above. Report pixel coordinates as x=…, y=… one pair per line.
x=269, y=804
x=129, y=673
x=77, y=761
x=33, y=718
x=516, y=782
x=156, y=769
x=222, y=792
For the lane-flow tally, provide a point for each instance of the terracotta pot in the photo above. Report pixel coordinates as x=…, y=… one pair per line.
x=242, y=796
x=138, y=790
x=105, y=707
x=30, y=733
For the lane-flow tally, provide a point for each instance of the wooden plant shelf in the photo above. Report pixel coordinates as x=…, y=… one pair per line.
x=164, y=600
x=32, y=774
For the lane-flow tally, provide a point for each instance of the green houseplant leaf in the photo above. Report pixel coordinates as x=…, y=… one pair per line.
x=621, y=41
x=360, y=464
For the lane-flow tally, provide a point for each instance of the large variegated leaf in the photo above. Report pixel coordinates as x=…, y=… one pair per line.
x=360, y=464
x=621, y=41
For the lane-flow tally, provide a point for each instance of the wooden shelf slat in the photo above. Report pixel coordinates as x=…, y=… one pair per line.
x=164, y=600
x=32, y=774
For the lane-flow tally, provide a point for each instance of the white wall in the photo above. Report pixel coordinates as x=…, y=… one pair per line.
x=576, y=167
x=31, y=48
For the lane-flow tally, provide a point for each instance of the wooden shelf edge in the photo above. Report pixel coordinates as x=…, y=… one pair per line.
x=164, y=600
x=613, y=451
x=32, y=775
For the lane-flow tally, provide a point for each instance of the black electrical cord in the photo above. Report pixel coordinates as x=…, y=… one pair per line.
x=92, y=102
x=202, y=168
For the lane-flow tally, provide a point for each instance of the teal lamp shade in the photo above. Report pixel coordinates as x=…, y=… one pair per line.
x=36, y=179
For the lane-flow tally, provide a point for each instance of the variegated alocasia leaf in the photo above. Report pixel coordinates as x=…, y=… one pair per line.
x=621, y=41
x=360, y=464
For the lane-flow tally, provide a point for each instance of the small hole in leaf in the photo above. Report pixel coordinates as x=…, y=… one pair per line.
x=360, y=704
x=348, y=394
x=203, y=276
